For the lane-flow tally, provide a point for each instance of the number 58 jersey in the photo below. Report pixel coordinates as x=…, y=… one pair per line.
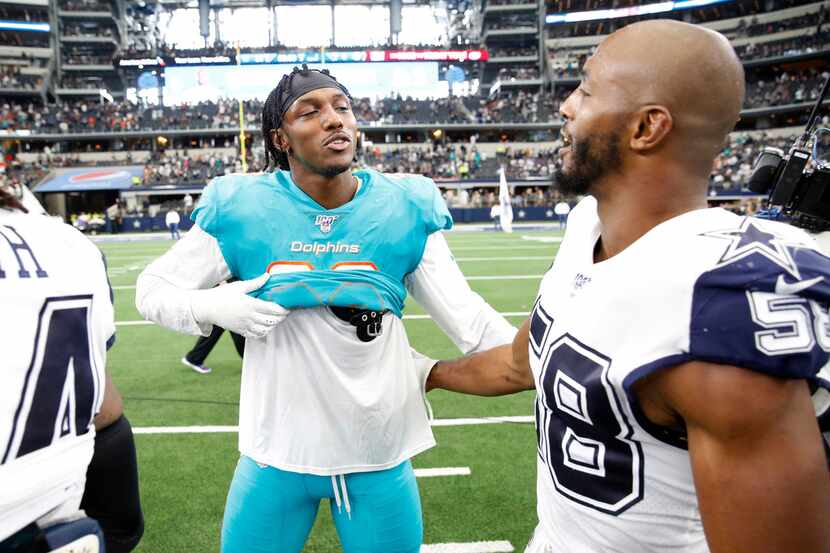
x=56, y=319
x=707, y=285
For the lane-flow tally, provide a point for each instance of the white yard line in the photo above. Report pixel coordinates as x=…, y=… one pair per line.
x=405, y=317
x=515, y=258
x=505, y=246
x=234, y=429
x=469, y=547
x=544, y=239
x=503, y=314
x=442, y=471
x=505, y=277
x=486, y=420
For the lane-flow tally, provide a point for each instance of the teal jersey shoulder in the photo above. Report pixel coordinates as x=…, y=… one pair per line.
x=356, y=255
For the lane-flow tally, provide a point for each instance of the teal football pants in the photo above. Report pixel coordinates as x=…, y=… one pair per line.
x=272, y=511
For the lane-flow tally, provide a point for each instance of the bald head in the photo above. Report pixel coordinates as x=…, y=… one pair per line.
x=689, y=70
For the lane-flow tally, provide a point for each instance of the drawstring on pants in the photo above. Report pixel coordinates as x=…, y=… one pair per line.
x=336, y=487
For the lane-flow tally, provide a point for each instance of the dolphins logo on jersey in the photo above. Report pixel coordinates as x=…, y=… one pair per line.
x=325, y=222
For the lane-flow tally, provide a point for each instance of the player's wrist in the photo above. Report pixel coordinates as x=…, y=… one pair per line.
x=433, y=380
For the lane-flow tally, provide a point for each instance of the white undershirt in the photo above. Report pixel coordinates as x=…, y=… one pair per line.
x=314, y=399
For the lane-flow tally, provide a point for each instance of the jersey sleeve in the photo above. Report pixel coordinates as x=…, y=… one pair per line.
x=439, y=217
x=194, y=263
x=438, y=285
x=429, y=203
x=206, y=213
x=771, y=317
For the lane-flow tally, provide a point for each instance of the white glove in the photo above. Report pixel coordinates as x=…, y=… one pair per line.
x=231, y=308
x=423, y=366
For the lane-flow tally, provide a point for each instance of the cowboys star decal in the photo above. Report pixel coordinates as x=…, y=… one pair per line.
x=748, y=239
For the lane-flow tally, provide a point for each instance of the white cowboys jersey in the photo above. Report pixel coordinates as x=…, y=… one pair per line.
x=55, y=322
x=707, y=285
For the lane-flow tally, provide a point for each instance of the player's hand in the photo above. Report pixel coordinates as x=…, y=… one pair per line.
x=231, y=308
x=423, y=366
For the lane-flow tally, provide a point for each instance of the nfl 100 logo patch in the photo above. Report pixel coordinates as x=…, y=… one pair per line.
x=325, y=222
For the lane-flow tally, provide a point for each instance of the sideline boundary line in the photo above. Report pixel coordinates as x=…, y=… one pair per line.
x=500, y=546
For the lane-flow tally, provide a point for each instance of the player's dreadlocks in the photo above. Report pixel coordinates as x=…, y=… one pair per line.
x=281, y=99
x=10, y=201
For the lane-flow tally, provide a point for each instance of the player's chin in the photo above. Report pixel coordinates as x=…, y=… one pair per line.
x=334, y=169
x=342, y=160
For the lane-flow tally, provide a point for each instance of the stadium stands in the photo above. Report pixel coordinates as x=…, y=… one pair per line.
x=49, y=99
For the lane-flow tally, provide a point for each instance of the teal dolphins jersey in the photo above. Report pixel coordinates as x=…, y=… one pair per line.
x=356, y=255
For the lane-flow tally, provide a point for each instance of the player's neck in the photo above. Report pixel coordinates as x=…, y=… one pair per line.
x=633, y=206
x=329, y=192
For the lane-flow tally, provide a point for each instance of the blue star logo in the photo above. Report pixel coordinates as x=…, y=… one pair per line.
x=749, y=239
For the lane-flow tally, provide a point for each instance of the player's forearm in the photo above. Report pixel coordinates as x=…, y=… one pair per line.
x=489, y=373
x=167, y=305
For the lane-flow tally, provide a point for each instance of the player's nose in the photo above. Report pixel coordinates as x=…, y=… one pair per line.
x=331, y=118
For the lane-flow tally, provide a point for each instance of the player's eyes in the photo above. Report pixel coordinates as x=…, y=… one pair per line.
x=306, y=114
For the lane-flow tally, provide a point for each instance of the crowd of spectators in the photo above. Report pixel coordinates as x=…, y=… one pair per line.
x=85, y=6
x=514, y=52
x=12, y=78
x=24, y=40
x=715, y=12
x=86, y=82
x=518, y=73
x=19, y=13
x=733, y=166
x=196, y=168
x=87, y=31
x=509, y=2
x=442, y=162
x=91, y=116
x=512, y=22
x=508, y=106
x=804, y=44
x=754, y=28
x=786, y=88
x=73, y=58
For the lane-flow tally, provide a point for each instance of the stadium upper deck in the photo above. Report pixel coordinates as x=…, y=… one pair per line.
x=784, y=47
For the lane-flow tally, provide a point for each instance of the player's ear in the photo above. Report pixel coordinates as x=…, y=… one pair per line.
x=651, y=126
x=279, y=140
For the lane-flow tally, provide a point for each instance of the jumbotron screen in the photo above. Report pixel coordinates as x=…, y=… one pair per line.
x=364, y=80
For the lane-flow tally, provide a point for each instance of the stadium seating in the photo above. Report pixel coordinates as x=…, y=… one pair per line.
x=514, y=116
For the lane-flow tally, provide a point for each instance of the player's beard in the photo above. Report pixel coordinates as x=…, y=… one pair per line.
x=329, y=171
x=593, y=158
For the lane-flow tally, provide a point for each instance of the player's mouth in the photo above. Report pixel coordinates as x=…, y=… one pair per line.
x=338, y=142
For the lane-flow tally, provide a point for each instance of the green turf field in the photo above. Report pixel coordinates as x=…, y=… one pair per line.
x=184, y=477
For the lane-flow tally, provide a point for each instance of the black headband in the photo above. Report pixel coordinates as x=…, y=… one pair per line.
x=304, y=81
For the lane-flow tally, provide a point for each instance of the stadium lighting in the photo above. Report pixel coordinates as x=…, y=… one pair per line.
x=23, y=26
x=659, y=7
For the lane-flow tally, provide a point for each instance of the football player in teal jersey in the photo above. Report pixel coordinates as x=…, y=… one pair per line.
x=331, y=403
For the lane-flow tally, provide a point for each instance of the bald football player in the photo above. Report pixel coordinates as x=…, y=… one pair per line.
x=672, y=347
